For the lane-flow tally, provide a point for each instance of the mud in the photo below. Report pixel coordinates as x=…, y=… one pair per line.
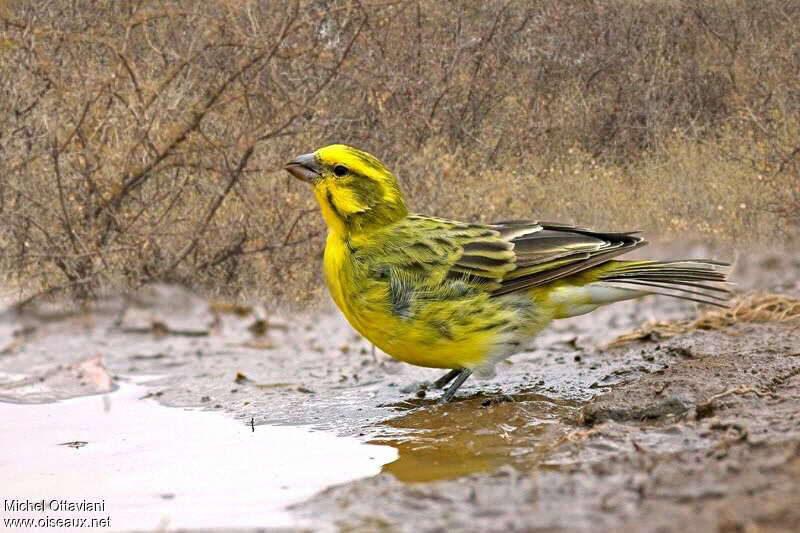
x=697, y=432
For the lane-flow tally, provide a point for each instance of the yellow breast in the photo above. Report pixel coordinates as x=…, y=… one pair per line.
x=431, y=338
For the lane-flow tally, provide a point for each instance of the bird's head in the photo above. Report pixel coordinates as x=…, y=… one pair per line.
x=356, y=192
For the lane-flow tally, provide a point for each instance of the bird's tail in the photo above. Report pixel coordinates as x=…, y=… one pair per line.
x=697, y=280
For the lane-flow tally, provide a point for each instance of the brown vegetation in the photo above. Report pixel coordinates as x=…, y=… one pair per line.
x=145, y=139
x=753, y=307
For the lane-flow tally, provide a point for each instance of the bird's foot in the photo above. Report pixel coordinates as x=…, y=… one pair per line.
x=422, y=386
x=460, y=377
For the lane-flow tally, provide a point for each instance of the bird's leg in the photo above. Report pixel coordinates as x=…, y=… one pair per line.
x=438, y=384
x=447, y=378
x=463, y=374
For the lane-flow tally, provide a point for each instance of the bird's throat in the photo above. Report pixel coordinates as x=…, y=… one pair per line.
x=346, y=216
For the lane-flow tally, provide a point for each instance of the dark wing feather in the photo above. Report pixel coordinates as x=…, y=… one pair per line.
x=503, y=257
x=558, y=250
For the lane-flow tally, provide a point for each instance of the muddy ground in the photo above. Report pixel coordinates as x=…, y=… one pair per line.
x=694, y=432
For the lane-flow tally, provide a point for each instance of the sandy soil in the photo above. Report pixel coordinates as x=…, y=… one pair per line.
x=695, y=432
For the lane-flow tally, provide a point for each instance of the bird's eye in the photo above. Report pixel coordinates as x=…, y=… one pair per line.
x=340, y=170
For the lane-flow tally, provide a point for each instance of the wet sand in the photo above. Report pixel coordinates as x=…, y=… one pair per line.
x=696, y=432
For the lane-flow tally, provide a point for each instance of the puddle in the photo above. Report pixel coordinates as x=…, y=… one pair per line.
x=158, y=467
x=476, y=435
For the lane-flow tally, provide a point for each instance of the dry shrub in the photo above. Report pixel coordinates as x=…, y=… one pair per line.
x=142, y=142
x=754, y=307
x=144, y=139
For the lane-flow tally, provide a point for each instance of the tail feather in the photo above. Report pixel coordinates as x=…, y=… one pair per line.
x=679, y=279
x=703, y=286
x=717, y=300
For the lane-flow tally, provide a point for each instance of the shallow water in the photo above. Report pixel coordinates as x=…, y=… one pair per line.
x=155, y=467
x=437, y=442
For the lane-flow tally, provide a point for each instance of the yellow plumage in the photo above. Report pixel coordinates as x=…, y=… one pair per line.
x=447, y=294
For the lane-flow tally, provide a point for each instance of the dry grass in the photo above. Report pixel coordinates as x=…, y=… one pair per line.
x=144, y=139
x=754, y=307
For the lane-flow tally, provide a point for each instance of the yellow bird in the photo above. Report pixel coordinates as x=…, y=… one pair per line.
x=446, y=294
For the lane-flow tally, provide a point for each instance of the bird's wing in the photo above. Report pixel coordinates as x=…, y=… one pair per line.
x=560, y=250
x=505, y=256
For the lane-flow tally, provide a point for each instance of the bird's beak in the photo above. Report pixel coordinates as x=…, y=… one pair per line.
x=304, y=167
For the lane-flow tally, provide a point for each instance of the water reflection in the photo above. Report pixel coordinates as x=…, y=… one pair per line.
x=474, y=435
x=155, y=466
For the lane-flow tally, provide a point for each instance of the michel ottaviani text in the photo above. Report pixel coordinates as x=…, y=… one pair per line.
x=53, y=505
